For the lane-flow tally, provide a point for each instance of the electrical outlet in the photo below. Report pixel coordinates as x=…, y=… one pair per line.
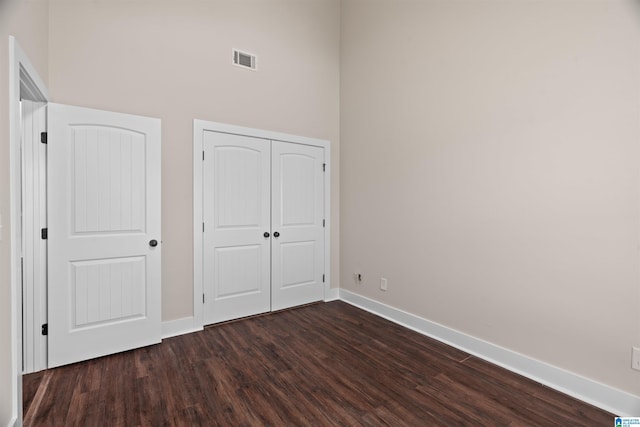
x=383, y=284
x=635, y=358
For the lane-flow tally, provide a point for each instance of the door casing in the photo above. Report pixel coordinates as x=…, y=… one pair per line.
x=199, y=128
x=34, y=248
x=25, y=82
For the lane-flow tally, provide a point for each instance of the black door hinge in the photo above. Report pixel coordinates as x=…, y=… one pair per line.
x=324, y=167
x=43, y=137
x=323, y=278
x=203, y=155
x=203, y=298
x=44, y=233
x=323, y=223
x=45, y=329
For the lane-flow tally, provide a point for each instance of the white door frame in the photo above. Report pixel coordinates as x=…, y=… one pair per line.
x=34, y=248
x=199, y=127
x=24, y=79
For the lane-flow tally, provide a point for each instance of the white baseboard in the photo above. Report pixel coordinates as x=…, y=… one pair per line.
x=186, y=325
x=173, y=328
x=332, y=295
x=610, y=399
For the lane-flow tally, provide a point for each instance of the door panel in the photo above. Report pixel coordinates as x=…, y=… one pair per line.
x=297, y=215
x=236, y=204
x=104, y=208
x=104, y=291
x=237, y=270
x=299, y=268
x=109, y=189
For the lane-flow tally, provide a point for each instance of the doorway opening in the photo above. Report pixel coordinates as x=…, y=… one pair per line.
x=25, y=83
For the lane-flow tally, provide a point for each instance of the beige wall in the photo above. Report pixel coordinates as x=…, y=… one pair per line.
x=172, y=60
x=489, y=169
x=27, y=21
x=489, y=148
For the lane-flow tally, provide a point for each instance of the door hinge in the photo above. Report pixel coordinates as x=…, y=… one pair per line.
x=203, y=155
x=43, y=137
x=203, y=227
x=203, y=298
x=323, y=278
x=45, y=329
x=323, y=222
x=44, y=233
x=324, y=167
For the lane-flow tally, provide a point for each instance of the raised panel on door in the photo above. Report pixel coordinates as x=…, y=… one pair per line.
x=297, y=218
x=104, y=209
x=236, y=204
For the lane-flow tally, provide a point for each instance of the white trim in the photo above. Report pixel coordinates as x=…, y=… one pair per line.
x=199, y=127
x=332, y=295
x=20, y=71
x=198, y=287
x=255, y=133
x=34, y=249
x=608, y=398
x=328, y=292
x=186, y=325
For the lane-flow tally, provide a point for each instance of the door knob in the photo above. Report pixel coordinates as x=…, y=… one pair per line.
x=266, y=234
x=276, y=234
x=153, y=243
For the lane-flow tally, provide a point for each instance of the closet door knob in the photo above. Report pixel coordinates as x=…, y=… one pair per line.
x=276, y=234
x=153, y=243
x=266, y=234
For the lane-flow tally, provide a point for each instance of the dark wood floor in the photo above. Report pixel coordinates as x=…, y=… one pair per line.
x=320, y=365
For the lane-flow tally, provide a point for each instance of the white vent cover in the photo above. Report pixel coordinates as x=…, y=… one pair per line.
x=244, y=59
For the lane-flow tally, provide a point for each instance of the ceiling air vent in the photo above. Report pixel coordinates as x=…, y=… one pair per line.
x=244, y=59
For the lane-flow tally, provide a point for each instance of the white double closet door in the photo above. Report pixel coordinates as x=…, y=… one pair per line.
x=263, y=204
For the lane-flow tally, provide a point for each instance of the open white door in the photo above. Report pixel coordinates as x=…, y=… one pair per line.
x=297, y=205
x=236, y=201
x=104, y=264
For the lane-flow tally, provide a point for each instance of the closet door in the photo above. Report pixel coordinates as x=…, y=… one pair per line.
x=297, y=223
x=236, y=212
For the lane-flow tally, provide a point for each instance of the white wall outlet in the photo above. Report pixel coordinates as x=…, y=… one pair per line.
x=383, y=284
x=635, y=358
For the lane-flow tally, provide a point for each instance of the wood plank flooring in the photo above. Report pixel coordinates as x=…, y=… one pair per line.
x=320, y=365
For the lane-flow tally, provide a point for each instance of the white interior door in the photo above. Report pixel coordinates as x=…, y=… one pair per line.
x=297, y=222
x=104, y=233
x=236, y=204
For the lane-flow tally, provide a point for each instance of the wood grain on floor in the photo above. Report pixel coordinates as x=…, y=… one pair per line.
x=328, y=364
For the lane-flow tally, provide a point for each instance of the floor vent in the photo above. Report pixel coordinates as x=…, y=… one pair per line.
x=244, y=59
